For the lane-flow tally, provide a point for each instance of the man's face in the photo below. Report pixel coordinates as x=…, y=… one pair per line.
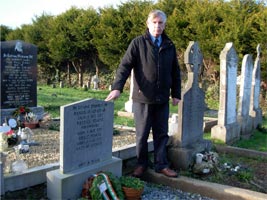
x=155, y=26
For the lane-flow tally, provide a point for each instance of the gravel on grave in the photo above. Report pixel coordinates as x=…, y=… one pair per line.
x=48, y=152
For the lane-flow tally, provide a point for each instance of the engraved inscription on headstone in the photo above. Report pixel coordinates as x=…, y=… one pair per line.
x=86, y=134
x=231, y=94
x=18, y=74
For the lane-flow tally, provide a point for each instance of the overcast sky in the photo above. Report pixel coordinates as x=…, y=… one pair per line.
x=14, y=13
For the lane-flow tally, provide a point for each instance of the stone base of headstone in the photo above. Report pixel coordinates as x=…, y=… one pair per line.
x=129, y=106
x=182, y=158
x=69, y=185
x=246, y=126
x=28, y=178
x=256, y=117
x=125, y=114
x=1, y=179
x=227, y=134
x=7, y=113
x=209, y=123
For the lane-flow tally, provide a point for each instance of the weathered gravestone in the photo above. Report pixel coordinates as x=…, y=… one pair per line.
x=228, y=129
x=18, y=78
x=244, y=118
x=189, y=138
x=95, y=82
x=86, y=130
x=255, y=110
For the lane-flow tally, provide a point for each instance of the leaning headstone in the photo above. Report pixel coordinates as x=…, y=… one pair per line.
x=244, y=118
x=227, y=129
x=86, y=130
x=189, y=138
x=255, y=110
x=18, y=78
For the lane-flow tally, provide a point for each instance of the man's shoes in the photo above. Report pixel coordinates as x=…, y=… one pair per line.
x=168, y=172
x=139, y=171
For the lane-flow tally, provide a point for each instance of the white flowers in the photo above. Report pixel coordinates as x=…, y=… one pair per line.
x=31, y=117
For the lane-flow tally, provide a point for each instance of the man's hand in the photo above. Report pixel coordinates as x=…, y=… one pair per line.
x=114, y=94
x=175, y=101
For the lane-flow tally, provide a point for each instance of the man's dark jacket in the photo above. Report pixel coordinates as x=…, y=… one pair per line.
x=156, y=70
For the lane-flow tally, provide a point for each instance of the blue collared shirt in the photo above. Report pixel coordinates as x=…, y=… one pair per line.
x=159, y=39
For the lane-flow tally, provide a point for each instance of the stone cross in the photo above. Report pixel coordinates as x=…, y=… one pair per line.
x=192, y=106
x=193, y=60
x=189, y=138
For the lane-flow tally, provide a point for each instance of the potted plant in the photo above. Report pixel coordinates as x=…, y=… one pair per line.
x=31, y=120
x=132, y=187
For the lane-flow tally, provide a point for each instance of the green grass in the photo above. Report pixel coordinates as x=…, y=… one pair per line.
x=52, y=98
x=257, y=141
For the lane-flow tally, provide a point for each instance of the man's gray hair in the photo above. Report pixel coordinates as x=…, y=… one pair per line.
x=157, y=13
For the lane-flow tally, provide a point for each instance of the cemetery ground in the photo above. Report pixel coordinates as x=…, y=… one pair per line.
x=252, y=174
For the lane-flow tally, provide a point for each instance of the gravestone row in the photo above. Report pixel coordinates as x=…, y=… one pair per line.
x=186, y=129
x=86, y=127
x=233, y=123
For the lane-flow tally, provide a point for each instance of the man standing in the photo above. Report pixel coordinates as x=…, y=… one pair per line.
x=153, y=59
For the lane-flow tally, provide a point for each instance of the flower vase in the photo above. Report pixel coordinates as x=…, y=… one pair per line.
x=31, y=125
x=132, y=194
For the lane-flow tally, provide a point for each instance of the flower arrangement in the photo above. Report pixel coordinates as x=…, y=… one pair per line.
x=7, y=137
x=21, y=110
x=31, y=117
x=104, y=180
x=25, y=117
x=105, y=184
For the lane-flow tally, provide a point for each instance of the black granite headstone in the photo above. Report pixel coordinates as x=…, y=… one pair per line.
x=18, y=74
